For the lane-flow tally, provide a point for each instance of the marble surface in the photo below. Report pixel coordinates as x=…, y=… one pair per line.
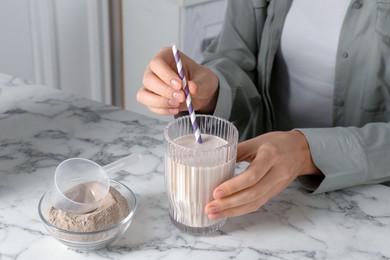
x=40, y=127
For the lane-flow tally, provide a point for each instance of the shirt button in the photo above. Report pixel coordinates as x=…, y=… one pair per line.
x=357, y=4
x=345, y=55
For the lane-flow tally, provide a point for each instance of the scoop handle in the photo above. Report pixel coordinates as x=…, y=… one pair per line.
x=122, y=163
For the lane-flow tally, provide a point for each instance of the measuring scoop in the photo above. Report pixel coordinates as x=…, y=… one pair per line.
x=81, y=184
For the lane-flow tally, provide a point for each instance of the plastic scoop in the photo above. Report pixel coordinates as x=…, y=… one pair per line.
x=81, y=184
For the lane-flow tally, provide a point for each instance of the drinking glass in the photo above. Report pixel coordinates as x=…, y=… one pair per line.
x=193, y=171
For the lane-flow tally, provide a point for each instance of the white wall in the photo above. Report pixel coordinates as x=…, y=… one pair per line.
x=15, y=39
x=148, y=25
x=62, y=44
x=72, y=45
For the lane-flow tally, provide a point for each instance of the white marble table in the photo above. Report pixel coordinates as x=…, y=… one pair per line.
x=40, y=127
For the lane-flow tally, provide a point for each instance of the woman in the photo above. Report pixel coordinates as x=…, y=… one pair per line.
x=307, y=83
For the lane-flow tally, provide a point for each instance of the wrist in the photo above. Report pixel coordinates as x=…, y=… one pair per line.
x=213, y=85
x=308, y=166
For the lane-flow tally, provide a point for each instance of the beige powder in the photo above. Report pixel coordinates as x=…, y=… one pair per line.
x=112, y=210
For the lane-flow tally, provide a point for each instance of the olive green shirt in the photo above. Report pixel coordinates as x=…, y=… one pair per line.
x=356, y=150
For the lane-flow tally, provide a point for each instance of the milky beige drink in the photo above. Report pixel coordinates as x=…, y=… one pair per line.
x=191, y=187
x=193, y=171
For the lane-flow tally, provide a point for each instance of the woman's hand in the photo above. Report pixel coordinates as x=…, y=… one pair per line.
x=163, y=92
x=276, y=159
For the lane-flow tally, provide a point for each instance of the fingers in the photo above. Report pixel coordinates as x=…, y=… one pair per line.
x=217, y=211
x=246, y=151
x=156, y=103
x=162, y=65
x=162, y=92
x=276, y=158
x=241, y=194
x=248, y=200
x=248, y=191
x=154, y=82
x=261, y=164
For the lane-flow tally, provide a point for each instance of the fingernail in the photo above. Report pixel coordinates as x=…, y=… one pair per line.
x=173, y=102
x=176, y=96
x=212, y=209
x=219, y=194
x=176, y=84
x=173, y=111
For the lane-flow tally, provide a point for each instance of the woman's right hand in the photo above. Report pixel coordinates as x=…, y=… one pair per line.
x=162, y=91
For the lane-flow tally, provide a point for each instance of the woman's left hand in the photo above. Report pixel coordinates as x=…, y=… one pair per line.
x=276, y=159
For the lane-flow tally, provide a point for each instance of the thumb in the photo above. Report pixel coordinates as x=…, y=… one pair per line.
x=193, y=88
x=245, y=153
x=247, y=150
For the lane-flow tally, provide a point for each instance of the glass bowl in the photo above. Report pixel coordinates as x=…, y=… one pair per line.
x=89, y=240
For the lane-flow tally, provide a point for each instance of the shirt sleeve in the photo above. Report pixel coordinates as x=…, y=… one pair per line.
x=232, y=56
x=348, y=156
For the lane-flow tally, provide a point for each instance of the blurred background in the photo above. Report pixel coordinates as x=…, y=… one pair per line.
x=99, y=49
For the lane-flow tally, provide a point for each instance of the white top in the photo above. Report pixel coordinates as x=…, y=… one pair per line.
x=303, y=78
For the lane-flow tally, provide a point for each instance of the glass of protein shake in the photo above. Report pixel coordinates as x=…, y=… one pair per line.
x=193, y=170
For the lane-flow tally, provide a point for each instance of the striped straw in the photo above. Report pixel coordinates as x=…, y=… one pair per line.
x=191, y=111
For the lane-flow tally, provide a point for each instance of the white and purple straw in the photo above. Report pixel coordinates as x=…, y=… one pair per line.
x=191, y=111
